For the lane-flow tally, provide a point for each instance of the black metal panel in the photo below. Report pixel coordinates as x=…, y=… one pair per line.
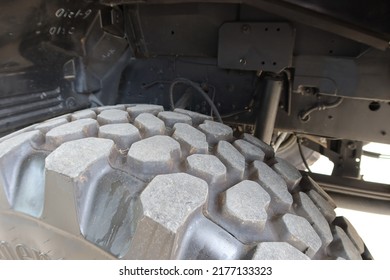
x=298, y=13
x=255, y=46
x=373, y=14
x=365, y=77
x=362, y=120
x=148, y=81
x=190, y=29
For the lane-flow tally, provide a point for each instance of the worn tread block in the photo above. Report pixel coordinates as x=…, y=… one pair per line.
x=268, y=150
x=306, y=208
x=197, y=118
x=205, y=240
x=308, y=184
x=342, y=246
x=157, y=154
x=288, y=172
x=48, y=125
x=171, y=118
x=12, y=145
x=216, y=132
x=72, y=131
x=67, y=185
x=324, y=206
x=245, y=206
x=207, y=167
x=113, y=116
x=167, y=205
x=12, y=153
x=149, y=125
x=278, y=251
x=192, y=140
x=110, y=107
x=135, y=111
x=123, y=134
x=232, y=158
x=84, y=114
x=351, y=232
x=274, y=185
x=109, y=223
x=249, y=151
x=298, y=232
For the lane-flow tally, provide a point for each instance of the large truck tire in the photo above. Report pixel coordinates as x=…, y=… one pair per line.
x=138, y=182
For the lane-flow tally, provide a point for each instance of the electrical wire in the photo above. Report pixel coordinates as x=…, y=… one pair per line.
x=280, y=140
x=305, y=115
x=301, y=153
x=198, y=89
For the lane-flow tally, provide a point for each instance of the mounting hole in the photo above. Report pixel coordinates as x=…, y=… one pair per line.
x=374, y=106
x=172, y=32
x=263, y=62
x=330, y=51
x=383, y=133
x=330, y=117
x=274, y=63
x=278, y=29
x=266, y=29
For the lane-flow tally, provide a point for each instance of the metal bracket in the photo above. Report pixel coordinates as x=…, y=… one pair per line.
x=266, y=46
x=345, y=154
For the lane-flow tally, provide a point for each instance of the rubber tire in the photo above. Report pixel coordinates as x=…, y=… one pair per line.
x=137, y=182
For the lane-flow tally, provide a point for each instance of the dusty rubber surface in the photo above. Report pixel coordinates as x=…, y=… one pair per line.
x=138, y=182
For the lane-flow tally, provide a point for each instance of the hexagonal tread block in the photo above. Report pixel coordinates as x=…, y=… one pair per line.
x=149, y=125
x=342, y=246
x=274, y=185
x=197, y=118
x=298, y=232
x=67, y=185
x=278, y=251
x=81, y=153
x=123, y=134
x=84, y=114
x=72, y=131
x=167, y=205
x=288, y=172
x=135, y=111
x=324, y=206
x=305, y=207
x=207, y=167
x=250, y=151
x=113, y=116
x=48, y=125
x=171, y=118
x=232, y=158
x=351, y=232
x=157, y=154
x=192, y=140
x=216, y=132
x=246, y=204
x=267, y=149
